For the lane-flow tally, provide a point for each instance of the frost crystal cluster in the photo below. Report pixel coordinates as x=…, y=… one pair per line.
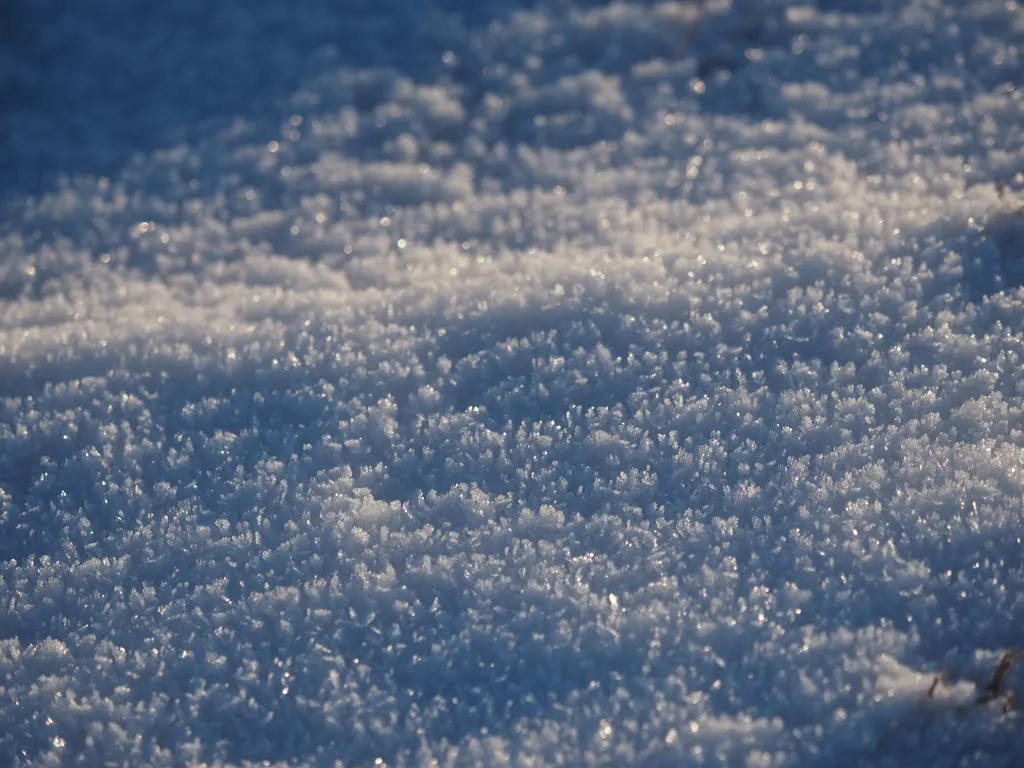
x=511, y=383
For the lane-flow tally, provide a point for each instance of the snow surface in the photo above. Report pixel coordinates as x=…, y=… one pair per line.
x=532, y=383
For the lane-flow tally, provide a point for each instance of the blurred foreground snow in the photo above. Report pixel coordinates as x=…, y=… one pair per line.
x=541, y=384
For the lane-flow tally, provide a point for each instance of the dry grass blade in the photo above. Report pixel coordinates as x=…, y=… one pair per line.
x=992, y=691
x=994, y=688
x=942, y=678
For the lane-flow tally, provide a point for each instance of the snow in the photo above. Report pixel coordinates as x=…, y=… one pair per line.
x=530, y=383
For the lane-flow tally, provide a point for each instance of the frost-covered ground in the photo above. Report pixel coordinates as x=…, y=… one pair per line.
x=533, y=383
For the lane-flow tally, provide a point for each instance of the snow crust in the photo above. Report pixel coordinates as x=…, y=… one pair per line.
x=500, y=383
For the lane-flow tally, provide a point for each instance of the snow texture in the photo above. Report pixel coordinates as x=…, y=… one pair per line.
x=511, y=382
